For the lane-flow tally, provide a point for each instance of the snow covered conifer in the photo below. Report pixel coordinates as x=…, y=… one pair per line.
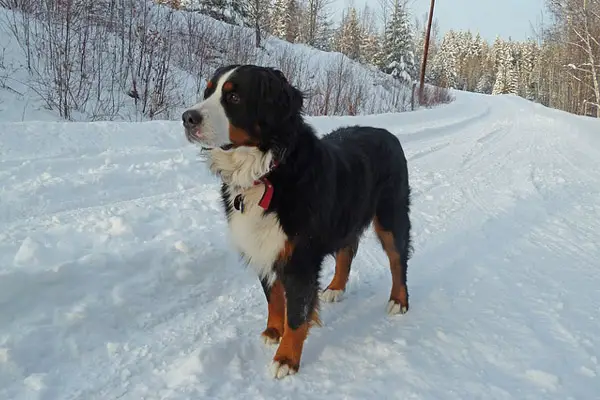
x=398, y=47
x=444, y=70
x=279, y=19
x=370, y=49
x=349, y=36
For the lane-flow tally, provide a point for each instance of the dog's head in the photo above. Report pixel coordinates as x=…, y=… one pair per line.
x=244, y=105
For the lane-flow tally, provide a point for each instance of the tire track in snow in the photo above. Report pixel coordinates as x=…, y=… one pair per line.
x=446, y=129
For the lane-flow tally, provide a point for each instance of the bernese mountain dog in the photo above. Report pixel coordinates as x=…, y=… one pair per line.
x=292, y=198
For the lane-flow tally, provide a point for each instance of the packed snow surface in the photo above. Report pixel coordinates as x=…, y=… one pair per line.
x=117, y=280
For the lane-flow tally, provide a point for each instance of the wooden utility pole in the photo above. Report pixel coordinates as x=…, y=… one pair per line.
x=425, y=51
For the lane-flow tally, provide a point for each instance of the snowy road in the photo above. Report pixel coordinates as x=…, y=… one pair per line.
x=117, y=280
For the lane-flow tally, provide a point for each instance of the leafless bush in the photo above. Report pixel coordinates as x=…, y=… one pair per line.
x=91, y=56
x=3, y=69
x=194, y=52
x=149, y=58
x=133, y=59
x=434, y=95
x=238, y=45
x=26, y=6
x=342, y=90
x=330, y=96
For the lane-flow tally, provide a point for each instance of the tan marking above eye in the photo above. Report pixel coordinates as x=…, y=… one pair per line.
x=227, y=86
x=210, y=85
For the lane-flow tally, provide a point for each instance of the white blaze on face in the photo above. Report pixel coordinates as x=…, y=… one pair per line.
x=214, y=129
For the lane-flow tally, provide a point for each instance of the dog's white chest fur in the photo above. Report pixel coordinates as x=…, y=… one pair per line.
x=259, y=236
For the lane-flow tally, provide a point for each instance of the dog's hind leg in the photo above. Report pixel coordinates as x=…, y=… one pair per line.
x=392, y=225
x=343, y=262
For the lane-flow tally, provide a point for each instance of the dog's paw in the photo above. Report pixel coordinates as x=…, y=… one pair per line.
x=270, y=336
x=331, y=295
x=282, y=368
x=394, y=308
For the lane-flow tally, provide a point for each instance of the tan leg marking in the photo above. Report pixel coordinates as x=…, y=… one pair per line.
x=398, y=302
x=289, y=353
x=337, y=287
x=276, y=318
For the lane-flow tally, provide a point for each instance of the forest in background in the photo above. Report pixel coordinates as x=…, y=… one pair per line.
x=125, y=46
x=559, y=66
x=136, y=60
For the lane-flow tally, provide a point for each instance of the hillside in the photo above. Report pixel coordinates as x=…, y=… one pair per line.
x=151, y=62
x=118, y=282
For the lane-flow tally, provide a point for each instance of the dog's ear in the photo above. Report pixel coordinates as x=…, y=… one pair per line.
x=280, y=74
x=279, y=103
x=294, y=96
x=287, y=99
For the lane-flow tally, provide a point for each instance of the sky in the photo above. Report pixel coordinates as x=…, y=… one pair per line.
x=507, y=18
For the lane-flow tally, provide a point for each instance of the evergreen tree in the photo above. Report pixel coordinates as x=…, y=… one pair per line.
x=349, y=37
x=485, y=84
x=279, y=19
x=285, y=20
x=506, y=61
x=370, y=50
x=258, y=18
x=529, y=56
x=398, y=48
x=420, y=33
x=324, y=39
x=230, y=11
x=444, y=70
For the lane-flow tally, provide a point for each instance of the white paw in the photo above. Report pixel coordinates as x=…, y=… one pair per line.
x=280, y=370
x=394, y=308
x=331, y=296
x=269, y=341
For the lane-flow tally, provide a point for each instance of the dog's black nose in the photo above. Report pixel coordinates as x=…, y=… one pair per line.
x=191, y=118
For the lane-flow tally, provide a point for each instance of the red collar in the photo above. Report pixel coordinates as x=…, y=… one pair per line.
x=267, y=196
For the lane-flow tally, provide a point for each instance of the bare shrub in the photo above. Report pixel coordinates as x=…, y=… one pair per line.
x=238, y=46
x=4, y=73
x=294, y=64
x=89, y=56
x=26, y=6
x=135, y=60
x=434, y=95
x=194, y=52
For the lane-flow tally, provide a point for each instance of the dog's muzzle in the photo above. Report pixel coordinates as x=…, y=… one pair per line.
x=192, y=121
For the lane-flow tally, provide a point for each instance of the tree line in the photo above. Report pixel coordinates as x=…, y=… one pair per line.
x=559, y=66
x=311, y=22
x=138, y=60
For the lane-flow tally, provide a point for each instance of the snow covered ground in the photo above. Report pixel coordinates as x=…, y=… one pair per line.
x=117, y=280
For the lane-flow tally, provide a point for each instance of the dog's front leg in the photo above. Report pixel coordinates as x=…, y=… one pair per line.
x=300, y=278
x=275, y=295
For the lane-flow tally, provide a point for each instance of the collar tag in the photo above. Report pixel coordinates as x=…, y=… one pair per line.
x=238, y=203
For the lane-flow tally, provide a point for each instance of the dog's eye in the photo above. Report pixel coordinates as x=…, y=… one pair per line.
x=233, y=98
